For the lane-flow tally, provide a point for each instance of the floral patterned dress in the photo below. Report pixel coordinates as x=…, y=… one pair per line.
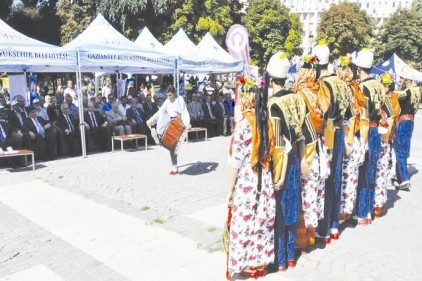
x=252, y=224
x=383, y=175
x=349, y=186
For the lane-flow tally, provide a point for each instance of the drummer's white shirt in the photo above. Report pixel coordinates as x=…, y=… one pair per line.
x=169, y=110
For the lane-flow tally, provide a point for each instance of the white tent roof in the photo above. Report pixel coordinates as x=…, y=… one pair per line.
x=213, y=50
x=19, y=53
x=147, y=41
x=209, y=46
x=191, y=59
x=103, y=49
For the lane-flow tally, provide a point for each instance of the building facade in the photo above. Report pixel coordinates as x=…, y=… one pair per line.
x=309, y=12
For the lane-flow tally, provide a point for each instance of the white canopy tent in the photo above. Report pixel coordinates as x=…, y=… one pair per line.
x=147, y=41
x=189, y=57
x=20, y=53
x=394, y=64
x=101, y=48
x=224, y=62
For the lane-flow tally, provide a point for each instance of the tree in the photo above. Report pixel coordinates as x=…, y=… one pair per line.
x=127, y=16
x=30, y=3
x=345, y=28
x=268, y=24
x=44, y=23
x=75, y=17
x=401, y=34
x=417, y=6
x=294, y=39
x=5, y=8
x=199, y=17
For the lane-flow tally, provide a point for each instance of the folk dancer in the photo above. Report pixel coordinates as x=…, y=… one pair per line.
x=389, y=111
x=251, y=191
x=355, y=152
x=288, y=114
x=409, y=103
x=313, y=184
x=374, y=91
x=334, y=140
x=173, y=107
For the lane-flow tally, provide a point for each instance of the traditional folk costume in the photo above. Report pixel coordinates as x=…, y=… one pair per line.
x=374, y=91
x=288, y=114
x=313, y=184
x=355, y=152
x=409, y=103
x=251, y=236
x=334, y=139
x=389, y=114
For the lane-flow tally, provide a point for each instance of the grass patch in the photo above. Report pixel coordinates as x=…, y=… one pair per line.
x=217, y=247
x=158, y=221
x=212, y=229
x=145, y=208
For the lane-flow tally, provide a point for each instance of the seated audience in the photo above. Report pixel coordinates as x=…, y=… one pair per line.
x=118, y=122
x=98, y=129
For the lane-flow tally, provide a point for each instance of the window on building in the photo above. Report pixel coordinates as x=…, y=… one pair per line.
x=367, y=5
x=394, y=4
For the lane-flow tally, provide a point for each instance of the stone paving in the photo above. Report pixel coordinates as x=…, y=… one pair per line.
x=191, y=205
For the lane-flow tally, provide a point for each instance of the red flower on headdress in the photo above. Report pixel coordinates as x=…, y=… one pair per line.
x=242, y=80
x=312, y=59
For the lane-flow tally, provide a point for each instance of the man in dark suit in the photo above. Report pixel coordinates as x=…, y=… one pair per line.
x=42, y=136
x=220, y=116
x=16, y=122
x=149, y=107
x=54, y=111
x=9, y=137
x=229, y=109
x=98, y=129
x=209, y=117
x=137, y=119
x=70, y=127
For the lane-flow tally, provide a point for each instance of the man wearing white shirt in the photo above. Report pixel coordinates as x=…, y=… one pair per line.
x=173, y=107
x=71, y=91
x=123, y=106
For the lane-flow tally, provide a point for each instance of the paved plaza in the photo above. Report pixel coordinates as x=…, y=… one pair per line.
x=120, y=216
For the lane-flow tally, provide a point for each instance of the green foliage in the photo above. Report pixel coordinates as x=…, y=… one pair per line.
x=417, y=6
x=401, y=34
x=346, y=28
x=199, y=17
x=5, y=8
x=75, y=17
x=44, y=23
x=294, y=39
x=127, y=16
x=268, y=24
x=30, y=3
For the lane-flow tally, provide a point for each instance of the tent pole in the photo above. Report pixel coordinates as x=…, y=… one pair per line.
x=80, y=105
x=176, y=76
x=96, y=83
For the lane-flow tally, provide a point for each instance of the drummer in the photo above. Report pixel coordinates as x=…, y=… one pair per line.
x=174, y=106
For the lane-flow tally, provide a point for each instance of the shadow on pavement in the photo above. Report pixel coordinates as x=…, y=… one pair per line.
x=412, y=170
x=197, y=168
x=393, y=196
